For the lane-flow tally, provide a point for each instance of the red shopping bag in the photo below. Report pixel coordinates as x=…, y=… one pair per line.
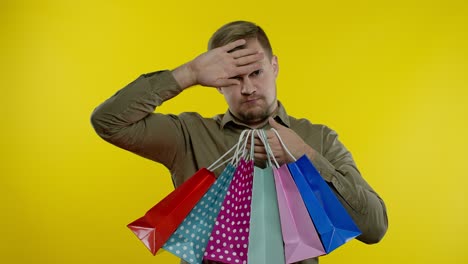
x=158, y=224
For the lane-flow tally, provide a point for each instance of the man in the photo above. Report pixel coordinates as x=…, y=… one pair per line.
x=241, y=65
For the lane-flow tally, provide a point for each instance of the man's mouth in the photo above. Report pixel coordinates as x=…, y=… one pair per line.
x=251, y=100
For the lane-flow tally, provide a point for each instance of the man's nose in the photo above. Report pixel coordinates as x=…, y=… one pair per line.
x=247, y=87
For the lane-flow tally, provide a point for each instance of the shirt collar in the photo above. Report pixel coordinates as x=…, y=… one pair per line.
x=280, y=116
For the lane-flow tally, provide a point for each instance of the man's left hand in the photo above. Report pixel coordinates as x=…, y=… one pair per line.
x=293, y=142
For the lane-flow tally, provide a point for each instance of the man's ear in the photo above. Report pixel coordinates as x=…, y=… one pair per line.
x=275, y=65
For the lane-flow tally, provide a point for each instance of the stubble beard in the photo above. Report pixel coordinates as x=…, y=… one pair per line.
x=254, y=116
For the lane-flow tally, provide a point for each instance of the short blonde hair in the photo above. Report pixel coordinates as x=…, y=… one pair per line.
x=240, y=30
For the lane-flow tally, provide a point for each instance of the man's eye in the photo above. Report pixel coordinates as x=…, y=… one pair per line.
x=256, y=73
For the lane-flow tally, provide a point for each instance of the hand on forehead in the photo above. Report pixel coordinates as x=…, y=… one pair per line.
x=250, y=44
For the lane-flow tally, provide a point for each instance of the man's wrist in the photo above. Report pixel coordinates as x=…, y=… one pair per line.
x=184, y=76
x=310, y=153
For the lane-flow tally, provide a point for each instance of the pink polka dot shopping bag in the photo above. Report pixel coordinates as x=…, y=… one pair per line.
x=190, y=239
x=161, y=221
x=228, y=242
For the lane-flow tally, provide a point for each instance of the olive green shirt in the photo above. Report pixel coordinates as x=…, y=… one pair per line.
x=187, y=142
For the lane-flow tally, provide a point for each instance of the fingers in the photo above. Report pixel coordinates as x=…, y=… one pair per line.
x=249, y=59
x=264, y=157
x=230, y=46
x=260, y=156
x=226, y=82
x=243, y=52
x=270, y=134
x=276, y=153
x=243, y=56
x=233, y=59
x=239, y=67
x=258, y=148
x=257, y=140
x=247, y=69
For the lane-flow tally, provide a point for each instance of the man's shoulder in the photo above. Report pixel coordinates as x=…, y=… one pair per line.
x=306, y=124
x=313, y=134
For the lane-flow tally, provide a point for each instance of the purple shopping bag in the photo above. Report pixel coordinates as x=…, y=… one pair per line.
x=301, y=240
x=229, y=238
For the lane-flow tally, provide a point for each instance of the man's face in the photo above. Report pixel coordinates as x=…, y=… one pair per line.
x=254, y=99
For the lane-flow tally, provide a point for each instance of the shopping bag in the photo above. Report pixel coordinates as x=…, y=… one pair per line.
x=191, y=237
x=229, y=238
x=158, y=224
x=265, y=239
x=301, y=240
x=334, y=225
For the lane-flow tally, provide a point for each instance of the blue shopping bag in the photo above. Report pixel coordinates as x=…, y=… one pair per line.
x=334, y=225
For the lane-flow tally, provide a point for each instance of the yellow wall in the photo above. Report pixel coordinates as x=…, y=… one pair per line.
x=391, y=78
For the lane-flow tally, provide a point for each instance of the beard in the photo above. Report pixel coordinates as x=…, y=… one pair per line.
x=256, y=114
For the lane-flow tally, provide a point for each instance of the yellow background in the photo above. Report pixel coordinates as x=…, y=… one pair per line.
x=389, y=76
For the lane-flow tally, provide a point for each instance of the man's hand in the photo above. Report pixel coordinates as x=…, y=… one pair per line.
x=293, y=142
x=216, y=67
